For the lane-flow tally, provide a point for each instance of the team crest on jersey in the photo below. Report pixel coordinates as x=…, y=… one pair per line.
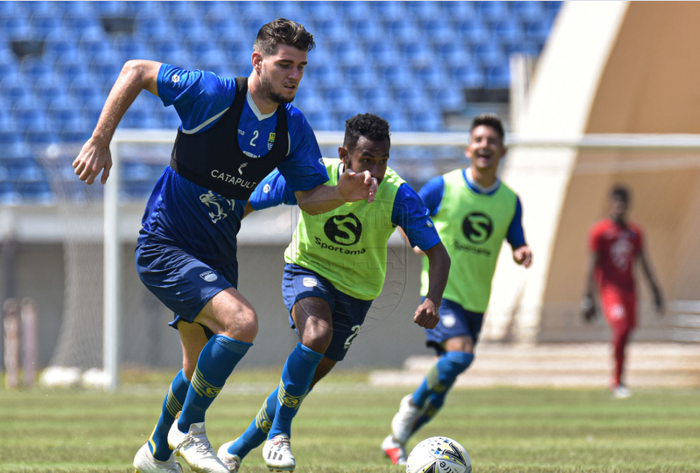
x=217, y=204
x=209, y=276
x=271, y=141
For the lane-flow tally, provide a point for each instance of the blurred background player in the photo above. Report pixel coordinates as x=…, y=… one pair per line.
x=615, y=245
x=335, y=267
x=186, y=252
x=473, y=213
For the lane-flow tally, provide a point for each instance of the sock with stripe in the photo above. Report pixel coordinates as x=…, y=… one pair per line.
x=217, y=360
x=257, y=431
x=172, y=404
x=297, y=375
x=442, y=375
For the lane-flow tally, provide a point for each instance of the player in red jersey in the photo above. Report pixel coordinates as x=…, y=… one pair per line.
x=616, y=244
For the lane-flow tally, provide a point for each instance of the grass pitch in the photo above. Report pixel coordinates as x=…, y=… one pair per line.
x=341, y=424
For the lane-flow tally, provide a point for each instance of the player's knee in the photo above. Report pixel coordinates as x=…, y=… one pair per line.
x=317, y=338
x=244, y=326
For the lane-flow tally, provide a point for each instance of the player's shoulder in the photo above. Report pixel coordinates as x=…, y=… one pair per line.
x=635, y=228
x=393, y=178
x=507, y=190
x=600, y=226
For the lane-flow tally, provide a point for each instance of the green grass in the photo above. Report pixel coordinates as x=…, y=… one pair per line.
x=341, y=425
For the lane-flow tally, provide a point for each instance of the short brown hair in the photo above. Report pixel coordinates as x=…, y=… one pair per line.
x=283, y=31
x=490, y=120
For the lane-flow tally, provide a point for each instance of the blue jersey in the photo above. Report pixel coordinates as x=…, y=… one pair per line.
x=408, y=212
x=198, y=220
x=432, y=193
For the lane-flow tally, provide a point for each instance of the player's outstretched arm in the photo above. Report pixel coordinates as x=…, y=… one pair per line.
x=588, y=308
x=655, y=288
x=94, y=157
x=523, y=256
x=426, y=314
x=351, y=188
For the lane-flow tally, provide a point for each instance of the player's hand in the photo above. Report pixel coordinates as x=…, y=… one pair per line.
x=588, y=309
x=93, y=159
x=659, y=302
x=523, y=256
x=354, y=186
x=427, y=315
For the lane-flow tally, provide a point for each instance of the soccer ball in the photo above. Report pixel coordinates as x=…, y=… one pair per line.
x=438, y=455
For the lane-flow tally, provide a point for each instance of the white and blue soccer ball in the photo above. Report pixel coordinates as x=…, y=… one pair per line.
x=438, y=455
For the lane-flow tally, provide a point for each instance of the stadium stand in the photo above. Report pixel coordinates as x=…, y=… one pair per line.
x=58, y=60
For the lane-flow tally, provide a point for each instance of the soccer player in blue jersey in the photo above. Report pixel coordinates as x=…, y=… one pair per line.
x=233, y=133
x=474, y=212
x=335, y=267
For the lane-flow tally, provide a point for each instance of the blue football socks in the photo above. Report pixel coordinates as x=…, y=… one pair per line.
x=217, y=360
x=257, y=431
x=297, y=375
x=442, y=376
x=172, y=404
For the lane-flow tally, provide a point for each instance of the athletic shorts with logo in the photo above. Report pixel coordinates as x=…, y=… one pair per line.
x=179, y=280
x=455, y=321
x=348, y=313
x=619, y=307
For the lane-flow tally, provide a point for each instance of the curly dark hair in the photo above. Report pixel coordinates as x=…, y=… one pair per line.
x=283, y=31
x=490, y=120
x=620, y=192
x=368, y=125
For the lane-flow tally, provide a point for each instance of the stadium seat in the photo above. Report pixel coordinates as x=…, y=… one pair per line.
x=424, y=10
x=16, y=27
x=537, y=30
x=376, y=98
x=437, y=29
x=169, y=118
x=225, y=28
x=49, y=88
x=530, y=48
x=12, y=8
x=359, y=75
x=412, y=97
x=355, y=11
x=320, y=120
x=323, y=73
x=34, y=68
x=402, y=30
x=448, y=99
x=14, y=87
x=507, y=31
x=472, y=32
x=132, y=47
x=331, y=30
x=382, y=53
x=45, y=24
x=28, y=114
x=348, y=53
x=490, y=54
x=59, y=44
x=395, y=76
x=498, y=77
x=77, y=8
x=186, y=26
x=467, y=75
x=389, y=10
x=79, y=23
x=95, y=43
x=458, y=10
x=35, y=192
x=432, y=76
x=8, y=64
x=40, y=138
x=8, y=195
x=527, y=11
x=341, y=99
x=398, y=120
x=493, y=10
x=18, y=151
x=153, y=27
x=428, y=119
x=417, y=53
x=109, y=8
x=365, y=31
x=215, y=61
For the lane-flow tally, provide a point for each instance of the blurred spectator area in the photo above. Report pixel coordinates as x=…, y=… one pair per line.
x=412, y=62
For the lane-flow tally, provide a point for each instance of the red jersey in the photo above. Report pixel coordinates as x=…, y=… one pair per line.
x=617, y=247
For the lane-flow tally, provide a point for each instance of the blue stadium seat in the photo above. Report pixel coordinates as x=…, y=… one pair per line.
x=448, y=99
x=186, y=26
x=507, y=31
x=398, y=120
x=200, y=46
x=16, y=27
x=77, y=8
x=383, y=53
x=8, y=195
x=472, y=31
x=80, y=23
x=34, y=68
x=395, y=76
x=132, y=47
x=424, y=10
x=59, y=44
x=215, y=61
x=330, y=29
x=493, y=10
x=452, y=52
x=527, y=11
x=138, y=118
x=376, y=98
x=40, y=137
x=77, y=136
x=341, y=99
x=106, y=70
x=498, y=77
x=12, y=9
x=92, y=108
x=365, y=31
x=17, y=151
x=349, y=10
x=402, y=30
x=412, y=97
x=49, y=88
x=537, y=30
x=437, y=29
x=8, y=138
x=4, y=175
x=110, y=8
x=43, y=7
x=225, y=28
x=320, y=120
x=324, y=74
x=490, y=54
x=348, y=53
x=359, y=75
x=45, y=24
x=36, y=192
x=153, y=27
x=8, y=64
x=432, y=75
x=390, y=10
x=531, y=48
x=30, y=172
x=82, y=91
x=179, y=9
x=467, y=75
x=457, y=10
x=6, y=122
x=28, y=113
x=169, y=118
x=429, y=119
x=417, y=53
x=95, y=43
x=552, y=9
x=14, y=87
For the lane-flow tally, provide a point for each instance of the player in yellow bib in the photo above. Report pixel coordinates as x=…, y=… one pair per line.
x=473, y=213
x=335, y=267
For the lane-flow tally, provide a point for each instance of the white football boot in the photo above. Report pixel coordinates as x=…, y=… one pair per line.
x=232, y=462
x=145, y=463
x=403, y=422
x=277, y=453
x=621, y=392
x=394, y=450
x=195, y=449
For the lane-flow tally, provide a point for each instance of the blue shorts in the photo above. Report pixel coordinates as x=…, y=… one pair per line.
x=347, y=312
x=455, y=321
x=181, y=281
